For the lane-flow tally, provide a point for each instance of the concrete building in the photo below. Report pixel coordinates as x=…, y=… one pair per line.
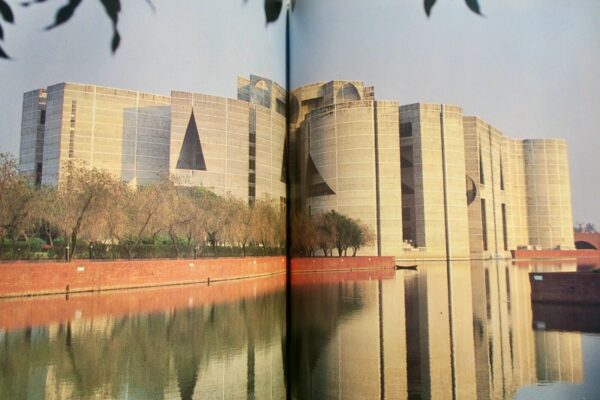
x=348, y=157
x=32, y=134
x=429, y=182
x=227, y=145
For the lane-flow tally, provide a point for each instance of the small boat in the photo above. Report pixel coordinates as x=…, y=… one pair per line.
x=410, y=267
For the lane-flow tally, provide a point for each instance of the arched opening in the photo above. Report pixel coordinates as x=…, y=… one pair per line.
x=261, y=94
x=583, y=245
x=348, y=92
x=471, y=190
x=315, y=182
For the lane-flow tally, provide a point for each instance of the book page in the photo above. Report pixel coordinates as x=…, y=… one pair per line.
x=441, y=151
x=142, y=149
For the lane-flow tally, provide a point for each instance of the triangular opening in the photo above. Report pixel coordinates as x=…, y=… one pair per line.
x=316, y=184
x=190, y=156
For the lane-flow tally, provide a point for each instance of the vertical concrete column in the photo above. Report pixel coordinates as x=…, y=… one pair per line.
x=388, y=177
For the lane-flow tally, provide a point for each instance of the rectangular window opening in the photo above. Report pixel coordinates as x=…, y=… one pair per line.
x=484, y=225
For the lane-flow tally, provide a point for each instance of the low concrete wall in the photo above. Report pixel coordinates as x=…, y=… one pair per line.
x=23, y=278
x=565, y=287
x=323, y=264
x=24, y=312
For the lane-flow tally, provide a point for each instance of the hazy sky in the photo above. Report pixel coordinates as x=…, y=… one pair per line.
x=198, y=45
x=530, y=68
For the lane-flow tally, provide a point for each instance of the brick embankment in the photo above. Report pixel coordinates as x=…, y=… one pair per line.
x=24, y=312
x=565, y=287
x=32, y=278
x=326, y=264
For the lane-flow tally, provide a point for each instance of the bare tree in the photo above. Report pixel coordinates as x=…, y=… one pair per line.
x=84, y=198
x=17, y=196
x=212, y=215
x=326, y=232
x=266, y=221
x=177, y=214
x=303, y=235
x=240, y=229
x=136, y=213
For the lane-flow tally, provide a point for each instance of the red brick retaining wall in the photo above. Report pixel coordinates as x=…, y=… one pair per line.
x=18, y=313
x=29, y=278
x=565, y=287
x=591, y=238
x=322, y=264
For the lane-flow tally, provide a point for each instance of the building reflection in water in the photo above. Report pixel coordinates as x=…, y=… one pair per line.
x=193, y=348
x=462, y=330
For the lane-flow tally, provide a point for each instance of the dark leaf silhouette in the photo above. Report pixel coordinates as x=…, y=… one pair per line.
x=6, y=12
x=3, y=54
x=273, y=9
x=116, y=40
x=151, y=5
x=473, y=6
x=113, y=8
x=428, y=4
x=28, y=3
x=64, y=13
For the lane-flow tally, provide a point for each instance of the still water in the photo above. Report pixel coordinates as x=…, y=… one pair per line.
x=217, y=342
x=466, y=330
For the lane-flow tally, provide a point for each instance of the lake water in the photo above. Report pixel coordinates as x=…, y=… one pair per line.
x=464, y=330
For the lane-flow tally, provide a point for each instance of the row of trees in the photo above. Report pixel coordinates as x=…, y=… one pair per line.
x=585, y=227
x=325, y=233
x=91, y=208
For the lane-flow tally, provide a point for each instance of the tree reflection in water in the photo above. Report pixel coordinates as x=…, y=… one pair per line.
x=196, y=352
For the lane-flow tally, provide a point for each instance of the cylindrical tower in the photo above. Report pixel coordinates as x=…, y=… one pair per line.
x=548, y=193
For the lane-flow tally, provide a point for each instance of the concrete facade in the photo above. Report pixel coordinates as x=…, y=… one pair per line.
x=434, y=180
x=123, y=132
x=241, y=141
x=347, y=152
x=430, y=182
x=233, y=146
x=32, y=134
x=522, y=192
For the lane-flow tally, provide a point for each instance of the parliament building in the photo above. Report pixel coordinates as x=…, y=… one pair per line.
x=430, y=182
